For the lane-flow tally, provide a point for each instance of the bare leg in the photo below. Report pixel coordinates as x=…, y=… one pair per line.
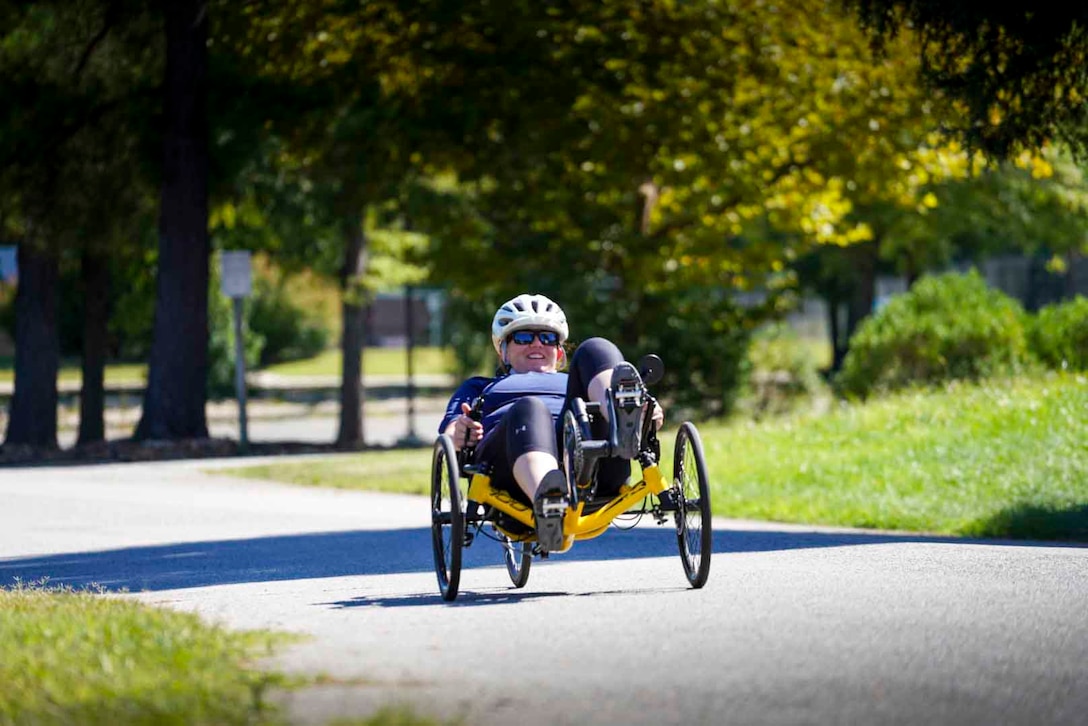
x=530, y=468
x=598, y=388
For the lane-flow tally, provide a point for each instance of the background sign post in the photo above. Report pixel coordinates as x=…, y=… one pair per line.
x=237, y=283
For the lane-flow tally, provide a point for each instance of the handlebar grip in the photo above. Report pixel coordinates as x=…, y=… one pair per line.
x=476, y=414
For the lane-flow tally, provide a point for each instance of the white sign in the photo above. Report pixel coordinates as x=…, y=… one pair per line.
x=9, y=267
x=237, y=274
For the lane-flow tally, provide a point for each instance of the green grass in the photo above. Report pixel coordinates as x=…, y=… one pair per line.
x=404, y=471
x=71, y=372
x=1005, y=458
x=79, y=657
x=376, y=361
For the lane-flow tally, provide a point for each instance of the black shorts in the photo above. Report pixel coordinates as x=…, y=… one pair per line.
x=529, y=426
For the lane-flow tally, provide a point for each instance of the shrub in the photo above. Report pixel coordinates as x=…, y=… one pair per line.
x=275, y=328
x=783, y=371
x=946, y=327
x=290, y=332
x=1059, y=334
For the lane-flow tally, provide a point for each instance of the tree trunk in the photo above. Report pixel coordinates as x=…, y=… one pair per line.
x=33, y=414
x=838, y=345
x=913, y=274
x=174, y=404
x=861, y=301
x=352, y=391
x=92, y=426
x=1071, y=282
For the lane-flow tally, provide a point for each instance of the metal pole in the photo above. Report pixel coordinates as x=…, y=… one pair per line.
x=410, y=322
x=240, y=375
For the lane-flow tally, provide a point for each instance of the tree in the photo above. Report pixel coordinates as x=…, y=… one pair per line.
x=364, y=111
x=73, y=81
x=662, y=164
x=174, y=402
x=1035, y=203
x=1016, y=70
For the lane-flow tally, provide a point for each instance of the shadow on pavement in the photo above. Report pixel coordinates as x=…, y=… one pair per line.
x=376, y=552
x=490, y=596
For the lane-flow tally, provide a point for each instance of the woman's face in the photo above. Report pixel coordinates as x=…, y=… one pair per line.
x=535, y=357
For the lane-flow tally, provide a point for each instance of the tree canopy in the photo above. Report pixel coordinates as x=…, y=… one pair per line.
x=658, y=167
x=1018, y=71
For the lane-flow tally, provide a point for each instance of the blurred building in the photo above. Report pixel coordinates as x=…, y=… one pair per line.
x=387, y=318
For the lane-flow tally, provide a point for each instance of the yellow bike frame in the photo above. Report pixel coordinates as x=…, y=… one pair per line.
x=575, y=524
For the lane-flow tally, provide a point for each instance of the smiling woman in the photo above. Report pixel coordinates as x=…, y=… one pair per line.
x=511, y=418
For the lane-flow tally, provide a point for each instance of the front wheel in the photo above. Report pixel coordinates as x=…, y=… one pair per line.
x=447, y=517
x=691, y=491
x=518, y=557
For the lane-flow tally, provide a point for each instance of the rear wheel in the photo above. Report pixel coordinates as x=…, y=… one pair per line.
x=447, y=517
x=518, y=557
x=691, y=491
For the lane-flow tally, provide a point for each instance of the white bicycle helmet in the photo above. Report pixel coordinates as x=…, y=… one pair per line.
x=526, y=311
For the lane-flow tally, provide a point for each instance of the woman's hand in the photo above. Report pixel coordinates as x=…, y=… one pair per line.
x=658, y=417
x=463, y=430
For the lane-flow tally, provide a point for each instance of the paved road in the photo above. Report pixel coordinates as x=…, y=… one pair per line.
x=795, y=626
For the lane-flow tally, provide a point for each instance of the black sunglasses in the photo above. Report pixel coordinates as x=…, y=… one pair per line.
x=525, y=337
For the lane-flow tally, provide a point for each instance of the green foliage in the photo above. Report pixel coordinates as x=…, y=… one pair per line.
x=702, y=337
x=289, y=332
x=946, y=327
x=783, y=371
x=1059, y=334
x=132, y=304
x=468, y=333
x=1016, y=70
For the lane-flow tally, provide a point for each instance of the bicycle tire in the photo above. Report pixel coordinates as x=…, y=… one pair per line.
x=691, y=490
x=447, y=517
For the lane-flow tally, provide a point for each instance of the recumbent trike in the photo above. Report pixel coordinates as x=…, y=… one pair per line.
x=465, y=506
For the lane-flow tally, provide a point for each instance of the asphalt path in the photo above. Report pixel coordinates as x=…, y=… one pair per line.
x=795, y=626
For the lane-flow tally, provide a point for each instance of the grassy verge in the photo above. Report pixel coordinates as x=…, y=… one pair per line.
x=71, y=372
x=77, y=657
x=403, y=471
x=1004, y=458
x=376, y=362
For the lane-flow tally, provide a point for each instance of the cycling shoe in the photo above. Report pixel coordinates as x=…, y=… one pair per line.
x=549, y=507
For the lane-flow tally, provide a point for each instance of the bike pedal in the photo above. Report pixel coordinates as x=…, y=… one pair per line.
x=549, y=532
x=628, y=400
x=553, y=507
x=628, y=394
